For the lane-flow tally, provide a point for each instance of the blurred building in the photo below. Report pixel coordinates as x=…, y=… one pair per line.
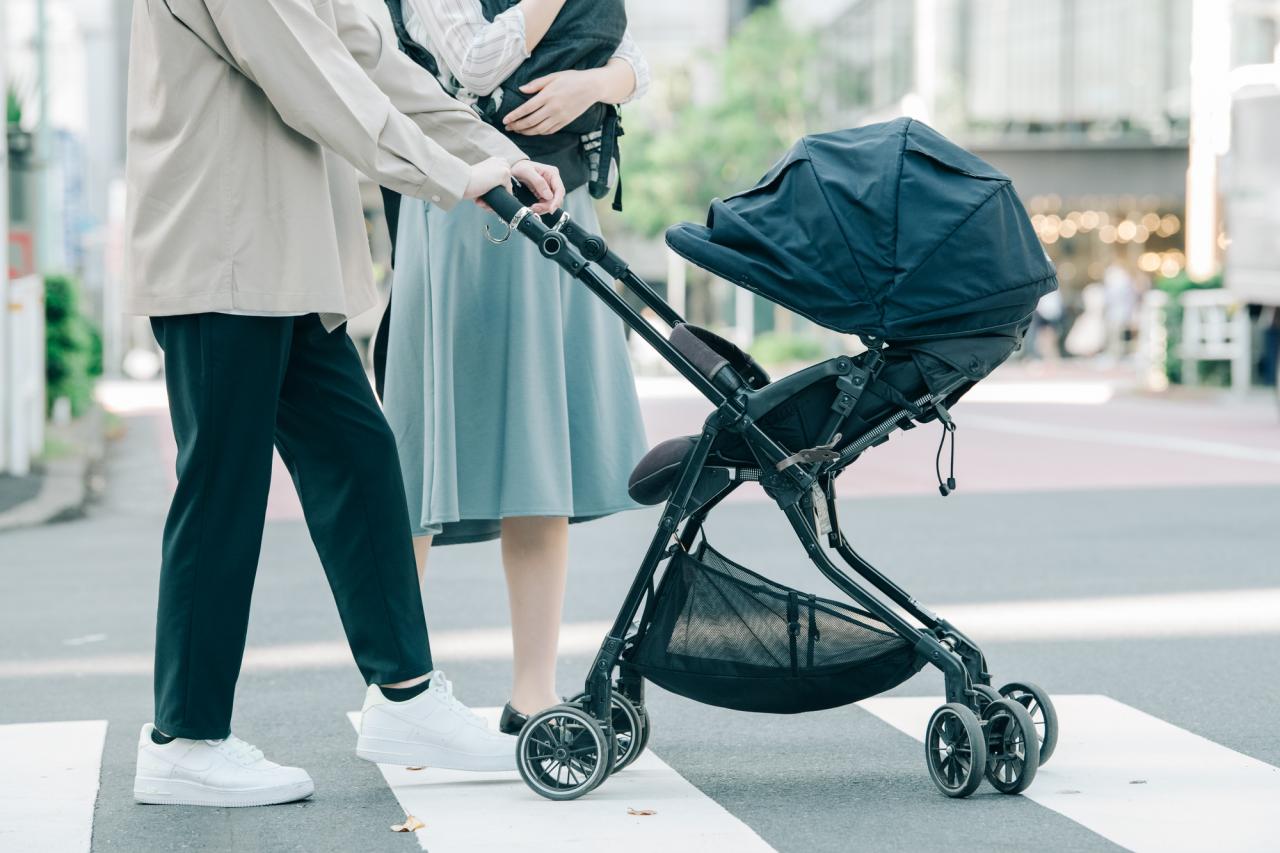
x=1087, y=104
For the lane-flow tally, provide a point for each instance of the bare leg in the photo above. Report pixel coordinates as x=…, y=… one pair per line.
x=421, y=547
x=535, y=556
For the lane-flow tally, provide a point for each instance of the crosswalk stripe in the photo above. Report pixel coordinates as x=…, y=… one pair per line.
x=483, y=812
x=1137, y=780
x=48, y=784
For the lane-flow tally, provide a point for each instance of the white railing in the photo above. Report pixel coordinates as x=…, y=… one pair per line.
x=22, y=388
x=1215, y=327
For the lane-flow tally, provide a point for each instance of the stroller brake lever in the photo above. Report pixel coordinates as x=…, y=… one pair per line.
x=821, y=453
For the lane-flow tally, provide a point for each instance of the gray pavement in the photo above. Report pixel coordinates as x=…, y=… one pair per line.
x=84, y=591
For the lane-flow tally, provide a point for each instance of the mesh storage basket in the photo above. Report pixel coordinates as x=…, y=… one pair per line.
x=723, y=635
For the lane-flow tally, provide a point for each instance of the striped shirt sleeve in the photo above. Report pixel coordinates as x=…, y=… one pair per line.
x=629, y=52
x=479, y=53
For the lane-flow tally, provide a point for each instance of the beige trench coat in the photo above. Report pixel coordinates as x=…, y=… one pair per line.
x=245, y=120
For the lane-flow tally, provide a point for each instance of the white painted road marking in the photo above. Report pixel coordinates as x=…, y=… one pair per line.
x=1134, y=779
x=483, y=812
x=1122, y=438
x=1215, y=613
x=48, y=784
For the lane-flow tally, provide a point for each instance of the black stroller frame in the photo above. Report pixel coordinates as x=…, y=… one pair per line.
x=803, y=486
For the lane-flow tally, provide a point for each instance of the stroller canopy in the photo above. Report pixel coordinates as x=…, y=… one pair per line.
x=889, y=231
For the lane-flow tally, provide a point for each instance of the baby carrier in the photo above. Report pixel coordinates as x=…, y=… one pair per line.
x=888, y=232
x=584, y=35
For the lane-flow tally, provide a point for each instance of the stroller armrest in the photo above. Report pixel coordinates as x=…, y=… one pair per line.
x=711, y=354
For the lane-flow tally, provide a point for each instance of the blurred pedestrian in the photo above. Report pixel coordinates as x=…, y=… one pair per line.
x=1046, y=321
x=1121, y=294
x=1088, y=334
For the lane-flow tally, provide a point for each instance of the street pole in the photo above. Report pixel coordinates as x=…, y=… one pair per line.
x=925, y=60
x=7, y=391
x=47, y=231
x=1210, y=114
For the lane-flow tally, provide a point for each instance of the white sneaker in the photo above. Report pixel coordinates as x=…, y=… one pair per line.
x=226, y=772
x=433, y=729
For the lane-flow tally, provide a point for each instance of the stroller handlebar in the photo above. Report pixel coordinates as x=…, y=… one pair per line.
x=575, y=249
x=592, y=247
x=503, y=203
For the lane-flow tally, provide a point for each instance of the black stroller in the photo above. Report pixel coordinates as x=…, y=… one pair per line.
x=890, y=232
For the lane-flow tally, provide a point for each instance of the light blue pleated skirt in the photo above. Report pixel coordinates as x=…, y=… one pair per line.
x=508, y=384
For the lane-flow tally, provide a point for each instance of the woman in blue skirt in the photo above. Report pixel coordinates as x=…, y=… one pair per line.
x=508, y=384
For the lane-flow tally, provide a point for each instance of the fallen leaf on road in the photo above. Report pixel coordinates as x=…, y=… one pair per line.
x=415, y=768
x=411, y=824
x=641, y=812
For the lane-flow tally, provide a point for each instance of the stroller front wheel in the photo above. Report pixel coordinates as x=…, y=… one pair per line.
x=1043, y=714
x=628, y=729
x=1013, y=753
x=563, y=753
x=955, y=750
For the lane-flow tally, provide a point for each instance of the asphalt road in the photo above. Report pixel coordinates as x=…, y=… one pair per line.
x=77, y=602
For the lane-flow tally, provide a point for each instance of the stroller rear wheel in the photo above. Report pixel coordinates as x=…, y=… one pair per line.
x=1013, y=754
x=955, y=750
x=646, y=729
x=1043, y=715
x=563, y=753
x=628, y=729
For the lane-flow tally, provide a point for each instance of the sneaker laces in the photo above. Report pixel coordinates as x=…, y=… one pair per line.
x=442, y=688
x=238, y=750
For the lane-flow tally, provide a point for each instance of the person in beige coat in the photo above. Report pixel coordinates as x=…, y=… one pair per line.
x=247, y=123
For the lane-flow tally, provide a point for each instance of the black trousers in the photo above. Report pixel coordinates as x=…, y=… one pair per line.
x=238, y=386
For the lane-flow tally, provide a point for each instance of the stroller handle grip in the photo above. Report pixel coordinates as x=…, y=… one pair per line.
x=503, y=203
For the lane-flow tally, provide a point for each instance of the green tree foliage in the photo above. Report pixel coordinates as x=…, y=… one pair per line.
x=12, y=107
x=693, y=150
x=73, y=347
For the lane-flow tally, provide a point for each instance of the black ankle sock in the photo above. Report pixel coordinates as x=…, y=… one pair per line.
x=404, y=694
x=159, y=737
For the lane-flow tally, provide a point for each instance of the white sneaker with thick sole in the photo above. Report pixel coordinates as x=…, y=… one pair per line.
x=433, y=729
x=223, y=773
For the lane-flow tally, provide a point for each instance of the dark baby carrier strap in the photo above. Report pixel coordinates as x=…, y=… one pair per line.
x=585, y=35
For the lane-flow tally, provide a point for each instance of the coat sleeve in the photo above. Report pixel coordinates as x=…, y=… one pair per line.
x=365, y=28
x=321, y=91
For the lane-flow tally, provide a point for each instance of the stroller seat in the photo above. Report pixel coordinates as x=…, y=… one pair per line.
x=655, y=477
x=796, y=409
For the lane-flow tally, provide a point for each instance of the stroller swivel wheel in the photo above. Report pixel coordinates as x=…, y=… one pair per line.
x=983, y=695
x=628, y=729
x=562, y=753
x=955, y=750
x=1013, y=755
x=1040, y=707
